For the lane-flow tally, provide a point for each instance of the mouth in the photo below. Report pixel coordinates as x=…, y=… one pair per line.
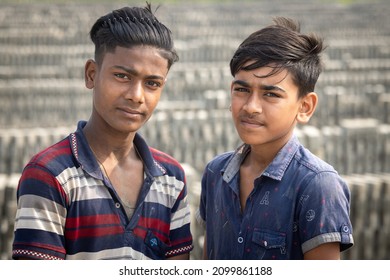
x=251, y=122
x=130, y=112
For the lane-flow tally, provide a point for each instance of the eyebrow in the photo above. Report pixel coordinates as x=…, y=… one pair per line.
x=135, y=73
x=263, y=87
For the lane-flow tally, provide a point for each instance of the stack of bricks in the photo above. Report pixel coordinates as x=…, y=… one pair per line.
x=43, y=50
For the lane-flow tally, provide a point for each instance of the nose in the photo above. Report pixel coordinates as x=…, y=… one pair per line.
x=135, y=92
x=253, y=104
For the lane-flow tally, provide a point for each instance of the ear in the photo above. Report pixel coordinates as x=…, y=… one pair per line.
x=307, y=107
x=89, y=73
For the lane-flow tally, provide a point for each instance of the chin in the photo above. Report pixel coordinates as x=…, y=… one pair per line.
x=251, y=140
x=127, y=128
x=249, y=137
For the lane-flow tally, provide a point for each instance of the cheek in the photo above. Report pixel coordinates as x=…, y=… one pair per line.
x=234, y=109
x=236, y=104
x=152, y=100
x=100, y=96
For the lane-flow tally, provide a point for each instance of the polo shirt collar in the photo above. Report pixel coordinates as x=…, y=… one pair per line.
x=85, y=157
x=274, y=170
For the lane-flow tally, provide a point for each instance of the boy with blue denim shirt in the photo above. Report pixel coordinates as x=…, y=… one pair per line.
x=272, y=198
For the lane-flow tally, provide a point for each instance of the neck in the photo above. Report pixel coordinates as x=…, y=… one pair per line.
x=106, y=144
x=261, y=156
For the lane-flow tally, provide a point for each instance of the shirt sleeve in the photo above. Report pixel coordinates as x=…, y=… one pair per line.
x=40, y=216
x=323, y=212
x=180, y=233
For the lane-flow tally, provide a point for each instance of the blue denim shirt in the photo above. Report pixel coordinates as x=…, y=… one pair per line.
x=298, y=203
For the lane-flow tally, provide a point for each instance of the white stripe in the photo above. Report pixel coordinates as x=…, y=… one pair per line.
x=168, y=185
x=120, y=253
x=32, y=218
x=165, y=191
x=154, y=196
x=78, y=187
x=180, y=218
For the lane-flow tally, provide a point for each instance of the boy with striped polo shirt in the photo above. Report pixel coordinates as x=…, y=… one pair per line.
x=102, y=192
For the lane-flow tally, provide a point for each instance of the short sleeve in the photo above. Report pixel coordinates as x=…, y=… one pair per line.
x=40, y=216
x=180, y=233
x=323, y=212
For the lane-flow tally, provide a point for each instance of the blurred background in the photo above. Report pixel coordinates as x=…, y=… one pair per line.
x=44, y=45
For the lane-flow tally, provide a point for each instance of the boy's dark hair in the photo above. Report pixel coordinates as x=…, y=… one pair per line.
x=282, y=46
x=132, y=26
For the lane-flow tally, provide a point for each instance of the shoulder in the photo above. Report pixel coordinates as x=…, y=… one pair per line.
x=169, y=163
x=317, y=172
x=40, y=175
x=219, y=161
x=54, y=157
x=312, y=162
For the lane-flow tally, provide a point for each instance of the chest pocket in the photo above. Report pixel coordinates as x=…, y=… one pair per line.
x=269, y=244
x=155, y=246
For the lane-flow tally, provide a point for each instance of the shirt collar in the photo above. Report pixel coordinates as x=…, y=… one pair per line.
x=274, y=170
x=85, y=157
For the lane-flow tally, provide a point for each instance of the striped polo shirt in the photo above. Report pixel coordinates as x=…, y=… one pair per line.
x=67, y=209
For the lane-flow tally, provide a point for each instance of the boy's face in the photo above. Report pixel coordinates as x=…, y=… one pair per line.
x=264, y=110
x=126, y=86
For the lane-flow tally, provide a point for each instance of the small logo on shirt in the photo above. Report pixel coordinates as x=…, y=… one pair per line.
x=265, y=199
x=310, y=215
x=153, y=242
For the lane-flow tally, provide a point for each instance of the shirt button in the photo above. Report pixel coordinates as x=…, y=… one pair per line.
x=240, y=239
x=345, y=228
x=118, y=205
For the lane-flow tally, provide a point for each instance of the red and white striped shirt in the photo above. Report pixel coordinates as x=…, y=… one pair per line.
x=68, y=210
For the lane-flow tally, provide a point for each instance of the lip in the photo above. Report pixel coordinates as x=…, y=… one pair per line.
x=130, y=112
x=251, y=122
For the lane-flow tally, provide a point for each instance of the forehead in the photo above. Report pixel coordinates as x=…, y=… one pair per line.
x=137, y=50
x=140, y=57
x=267, y=74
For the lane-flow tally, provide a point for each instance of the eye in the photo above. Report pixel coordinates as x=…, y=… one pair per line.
x=121, y=76
x=271, y=94
x=153, y=84
x=241, y=89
